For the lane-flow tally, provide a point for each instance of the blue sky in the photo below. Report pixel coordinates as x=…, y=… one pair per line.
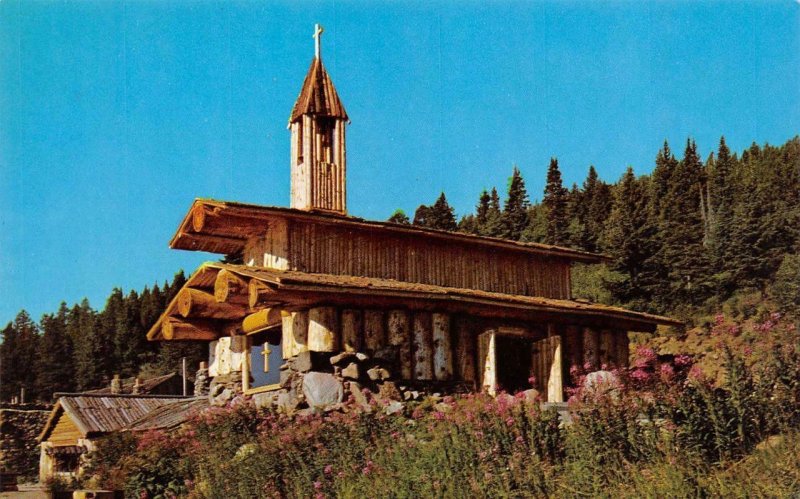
x=115, y=115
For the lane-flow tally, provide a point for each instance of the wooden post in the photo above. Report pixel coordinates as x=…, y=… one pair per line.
x=591, y=347
x=573, y=346
x=399, y=336
x=555, y=383
x=197, y=329
x=442, y=348
x=423, y=339
x=607, y=350
x=374, y=331
x=487, y=359
x=294, y=331
x=230, y=288
x=621, y=345
x=352, y=326
x=196, y=303
x=323, y=334
x=465, y=350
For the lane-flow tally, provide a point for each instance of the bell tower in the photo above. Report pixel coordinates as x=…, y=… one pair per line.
x=317, y=124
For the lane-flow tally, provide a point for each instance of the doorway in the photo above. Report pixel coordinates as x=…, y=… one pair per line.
x=513, y=363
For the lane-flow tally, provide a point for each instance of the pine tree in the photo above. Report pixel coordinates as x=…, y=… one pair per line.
x=723, y=198
x=438, y=216
x=494, y=217
x=399, y=217
x=54, y=371
x=624, y=234
x=682, y=231
x=443, y=215
x=18, y=353
x=555, y=202
x=82, y=329
x=515, y=212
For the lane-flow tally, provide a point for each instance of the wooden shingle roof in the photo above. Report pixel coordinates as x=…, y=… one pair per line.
x=96, y=414
x=293, y=288
x=318, y=95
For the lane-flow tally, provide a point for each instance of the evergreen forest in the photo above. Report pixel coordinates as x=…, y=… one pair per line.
x=683, y=240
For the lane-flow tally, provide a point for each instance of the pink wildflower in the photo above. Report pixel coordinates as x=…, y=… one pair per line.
x=667, y=371
x=682, y=360
x=328, y=469
x=510, y=422
x=317, y=485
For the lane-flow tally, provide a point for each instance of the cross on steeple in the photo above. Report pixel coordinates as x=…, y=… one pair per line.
x=317, y=39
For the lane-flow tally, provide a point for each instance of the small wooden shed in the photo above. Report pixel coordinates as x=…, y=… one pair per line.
x=78, y=420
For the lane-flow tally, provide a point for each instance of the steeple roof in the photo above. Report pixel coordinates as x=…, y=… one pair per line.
x=318, y=95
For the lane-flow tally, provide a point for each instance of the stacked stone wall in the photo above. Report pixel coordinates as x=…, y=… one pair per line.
x=20, y=425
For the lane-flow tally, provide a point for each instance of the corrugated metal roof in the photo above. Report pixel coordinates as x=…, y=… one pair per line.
x=318, y=95
x=170, y=415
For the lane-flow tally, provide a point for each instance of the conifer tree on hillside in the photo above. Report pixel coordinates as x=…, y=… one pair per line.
x=625, y=232
x=438, y=216
x=54, y=371
x=722, y=201
x=18, y=356
x=682, y=230
x=555, y=201
x=494, y=217
x=515, y=212
x=82, y=329
x=130, y=349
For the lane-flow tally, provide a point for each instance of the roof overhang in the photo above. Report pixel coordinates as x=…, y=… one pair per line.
x=223, y=227
x=292, y=290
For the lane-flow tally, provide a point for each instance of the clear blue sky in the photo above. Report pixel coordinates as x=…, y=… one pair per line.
x=115, y=115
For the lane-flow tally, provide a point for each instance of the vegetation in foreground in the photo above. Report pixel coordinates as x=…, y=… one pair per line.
x=661, y=429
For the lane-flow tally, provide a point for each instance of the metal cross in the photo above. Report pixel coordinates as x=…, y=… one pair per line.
x=317, y=38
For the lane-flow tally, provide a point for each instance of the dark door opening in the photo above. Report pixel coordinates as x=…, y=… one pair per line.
x=513, y=360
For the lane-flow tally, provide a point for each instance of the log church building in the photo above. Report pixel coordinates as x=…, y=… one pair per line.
x=320, y=294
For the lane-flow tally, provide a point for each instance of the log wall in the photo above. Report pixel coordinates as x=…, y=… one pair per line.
x=330, y=249
x=435, y=346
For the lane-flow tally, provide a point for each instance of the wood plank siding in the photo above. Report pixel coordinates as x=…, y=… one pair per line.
x=330, y=249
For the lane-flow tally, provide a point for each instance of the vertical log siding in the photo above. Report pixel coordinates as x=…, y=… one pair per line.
x=329, y=249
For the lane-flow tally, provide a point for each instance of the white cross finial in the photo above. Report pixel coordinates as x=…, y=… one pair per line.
x=317, y=39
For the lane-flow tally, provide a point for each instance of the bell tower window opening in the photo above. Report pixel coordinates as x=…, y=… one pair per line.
x=300, y=142
x=326, y=127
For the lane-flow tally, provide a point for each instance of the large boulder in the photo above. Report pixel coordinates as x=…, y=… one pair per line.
x=322, y=391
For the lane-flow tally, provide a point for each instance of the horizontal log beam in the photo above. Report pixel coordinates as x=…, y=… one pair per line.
x=263, y=319
x=196, y=303
x=230, y=288
x=199, y=330
x=259, y=294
